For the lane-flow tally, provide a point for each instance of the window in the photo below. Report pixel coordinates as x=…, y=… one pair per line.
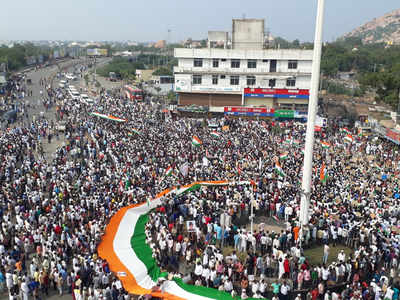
x=301, y=107
x=215, y=63
x=235, y=63
x=265, y=60
x=215, y=79
x=198, y=62
x=223, y=59
x=234, y=80
x=272, y=83
x=222, y=77
x=251, y=64
x=286, y=106
x=291, y=82
x=196, y=79
x=251, y=80
x=292, y=64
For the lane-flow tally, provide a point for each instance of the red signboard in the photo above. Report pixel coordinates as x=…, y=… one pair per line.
x=276, y=91
x=263, y=110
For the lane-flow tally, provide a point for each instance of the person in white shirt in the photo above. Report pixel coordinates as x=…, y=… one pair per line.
x=24, y=290
x=326, y=254
x=198, y=270
x=285, y=288
x=341, y=256
x=228, y=286
x=254, y=286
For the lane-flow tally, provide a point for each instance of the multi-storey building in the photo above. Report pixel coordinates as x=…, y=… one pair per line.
x=273, y=78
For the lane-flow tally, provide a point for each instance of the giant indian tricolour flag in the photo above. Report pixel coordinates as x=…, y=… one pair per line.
x=131, y=259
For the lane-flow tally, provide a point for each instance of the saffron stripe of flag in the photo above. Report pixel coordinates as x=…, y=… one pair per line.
x=196, y=141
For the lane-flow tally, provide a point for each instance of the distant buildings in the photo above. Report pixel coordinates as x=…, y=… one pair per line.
x=242, y=71
x=160, y=44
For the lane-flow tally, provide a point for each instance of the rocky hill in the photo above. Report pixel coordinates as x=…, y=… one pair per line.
x=385, y=29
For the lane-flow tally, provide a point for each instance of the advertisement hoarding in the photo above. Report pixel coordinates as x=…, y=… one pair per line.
x=97, y=52
x=277, y=93
x=102, y=52
x=284, y=113
x=249, y=111
x=91, y=52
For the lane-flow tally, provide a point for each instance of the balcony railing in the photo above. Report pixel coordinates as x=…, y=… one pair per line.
x=256, y=71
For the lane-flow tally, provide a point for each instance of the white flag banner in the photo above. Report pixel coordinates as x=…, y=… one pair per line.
x=184, y=169
x=205, y=162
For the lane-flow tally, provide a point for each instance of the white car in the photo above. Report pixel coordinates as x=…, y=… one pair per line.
x=85, y=99
x=70, y=76
x=74, y=95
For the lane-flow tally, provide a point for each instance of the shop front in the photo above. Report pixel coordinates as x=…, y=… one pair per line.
x=289, y=99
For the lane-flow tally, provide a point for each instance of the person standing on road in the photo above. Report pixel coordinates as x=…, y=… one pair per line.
x=326, y=254
x=24, y=290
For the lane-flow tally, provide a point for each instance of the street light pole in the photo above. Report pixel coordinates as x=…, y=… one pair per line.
x=312, y=111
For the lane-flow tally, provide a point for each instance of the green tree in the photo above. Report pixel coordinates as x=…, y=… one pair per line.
x=163, y=72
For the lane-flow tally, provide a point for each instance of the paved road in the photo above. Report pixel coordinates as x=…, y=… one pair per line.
x=35, y=76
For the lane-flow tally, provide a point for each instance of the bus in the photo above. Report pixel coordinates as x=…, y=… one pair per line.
x=133, y=93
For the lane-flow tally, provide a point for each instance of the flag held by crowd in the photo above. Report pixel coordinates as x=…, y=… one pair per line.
x=196, y=141
x=136, y=131
x=325, y=145
x=216, y=134
x=345, y=130
x=279, y=170
x=323, y=173
x=348, y=138
x=168, y=171
x=284, y=156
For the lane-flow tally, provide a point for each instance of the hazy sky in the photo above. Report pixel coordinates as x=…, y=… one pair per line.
x=150, y=20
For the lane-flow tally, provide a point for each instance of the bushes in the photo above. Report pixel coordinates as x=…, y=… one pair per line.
x=123, y=67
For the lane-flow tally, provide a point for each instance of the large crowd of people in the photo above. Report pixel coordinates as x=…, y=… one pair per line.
x=53, y=211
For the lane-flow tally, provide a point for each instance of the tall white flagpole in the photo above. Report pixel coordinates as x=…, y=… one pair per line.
x=312, y=111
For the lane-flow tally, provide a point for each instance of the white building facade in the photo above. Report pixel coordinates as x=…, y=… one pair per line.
x=264, y=77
